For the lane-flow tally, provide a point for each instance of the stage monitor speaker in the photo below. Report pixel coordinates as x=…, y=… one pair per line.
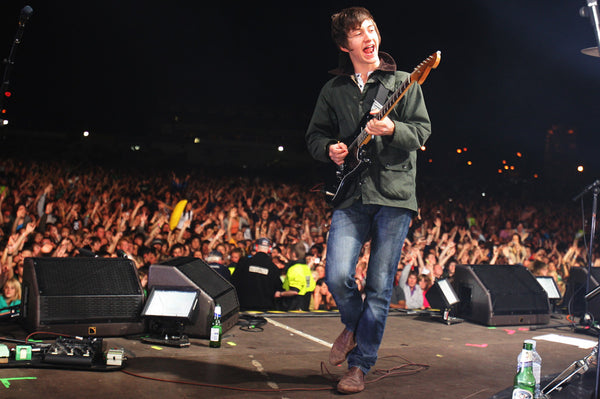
x=574, y=299
x=82, y=296
x=214, y=289
x=497, y=295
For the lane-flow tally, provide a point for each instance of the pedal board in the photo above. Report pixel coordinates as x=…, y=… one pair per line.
x=69, y=353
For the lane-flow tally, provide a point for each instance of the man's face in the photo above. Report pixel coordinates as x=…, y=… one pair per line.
x=178, y=252
x=411, y=281
x=363, y=45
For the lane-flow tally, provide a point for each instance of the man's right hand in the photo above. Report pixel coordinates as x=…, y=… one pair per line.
x=338, y=152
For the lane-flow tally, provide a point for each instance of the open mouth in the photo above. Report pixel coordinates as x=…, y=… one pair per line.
x=369, y=49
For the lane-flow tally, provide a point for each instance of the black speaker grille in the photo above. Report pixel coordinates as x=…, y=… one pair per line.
x=86, y=309
x=99, y=276
x=202, y=274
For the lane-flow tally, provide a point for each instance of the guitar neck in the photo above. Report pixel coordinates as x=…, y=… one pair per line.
x=391, y=102
x=394, y=98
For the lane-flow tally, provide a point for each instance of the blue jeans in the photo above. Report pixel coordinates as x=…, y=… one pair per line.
x=350, y=228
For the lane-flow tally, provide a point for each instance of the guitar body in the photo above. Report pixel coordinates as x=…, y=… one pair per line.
x=343, y=180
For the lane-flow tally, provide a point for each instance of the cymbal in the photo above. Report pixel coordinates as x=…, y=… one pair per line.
x=593, y=51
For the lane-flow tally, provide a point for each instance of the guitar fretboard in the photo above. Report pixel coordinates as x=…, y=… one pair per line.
x=363, y=136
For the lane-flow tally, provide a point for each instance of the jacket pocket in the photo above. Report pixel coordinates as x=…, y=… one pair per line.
x=396, y=180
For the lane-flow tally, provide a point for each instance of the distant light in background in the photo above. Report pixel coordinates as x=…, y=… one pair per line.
x=86, y=134
x=135, y=147
x=423, y=148
x=483, y=194
x=280, y=148
x=4, y=122
x=580, y=168
x=458, y=151
x=196, y=140
x=519, y=155
x=469, y=163
x=535, y=176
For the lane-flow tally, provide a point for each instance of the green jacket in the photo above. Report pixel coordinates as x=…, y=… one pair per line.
x=390, y=179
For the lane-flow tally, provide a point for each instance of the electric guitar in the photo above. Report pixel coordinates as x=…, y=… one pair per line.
x=357, y=159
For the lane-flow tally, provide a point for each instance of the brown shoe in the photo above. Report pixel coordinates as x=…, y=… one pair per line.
x=343, y=344
x=352, y=382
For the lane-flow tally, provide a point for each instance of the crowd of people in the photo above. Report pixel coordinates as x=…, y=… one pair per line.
x=56, y=210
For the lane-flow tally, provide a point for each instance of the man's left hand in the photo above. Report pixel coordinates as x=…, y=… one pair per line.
x=383, y=127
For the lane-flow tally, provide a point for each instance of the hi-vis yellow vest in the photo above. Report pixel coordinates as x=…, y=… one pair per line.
x=299, y=276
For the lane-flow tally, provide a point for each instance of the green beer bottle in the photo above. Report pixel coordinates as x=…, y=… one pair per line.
x=524, y=384
x=216, y=330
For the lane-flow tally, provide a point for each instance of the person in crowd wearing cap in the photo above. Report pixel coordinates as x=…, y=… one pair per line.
x=215, y=261
x=257, y=279
x=381, y=199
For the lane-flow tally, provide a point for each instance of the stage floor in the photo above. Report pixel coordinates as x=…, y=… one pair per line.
x=287, y=358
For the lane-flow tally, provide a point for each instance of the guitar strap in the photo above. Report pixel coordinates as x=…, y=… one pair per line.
x=380, y=98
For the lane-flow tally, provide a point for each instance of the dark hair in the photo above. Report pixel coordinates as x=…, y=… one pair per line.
x=346, y=20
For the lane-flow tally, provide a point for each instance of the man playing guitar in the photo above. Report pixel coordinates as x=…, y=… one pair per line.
x=379, y=203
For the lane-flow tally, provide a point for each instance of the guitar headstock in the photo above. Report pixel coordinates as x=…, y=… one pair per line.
x=422, y=70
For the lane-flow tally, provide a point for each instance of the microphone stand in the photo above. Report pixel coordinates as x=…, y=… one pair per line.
x=10, y=61
x=595, y=188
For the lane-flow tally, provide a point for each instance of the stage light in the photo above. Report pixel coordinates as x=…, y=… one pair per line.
x=442, y=297
x=86, y=134
x=168, y=310
x=580, y=168
x=171, y=302
x=196, y=140
x=7, y=93
x=280, y=148
x=4, y=122
x=549, y=285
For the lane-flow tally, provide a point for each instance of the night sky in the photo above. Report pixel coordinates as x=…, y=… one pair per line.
x=510, y=69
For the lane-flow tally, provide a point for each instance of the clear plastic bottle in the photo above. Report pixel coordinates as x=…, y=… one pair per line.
x=524, y=382
x=537, y=368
